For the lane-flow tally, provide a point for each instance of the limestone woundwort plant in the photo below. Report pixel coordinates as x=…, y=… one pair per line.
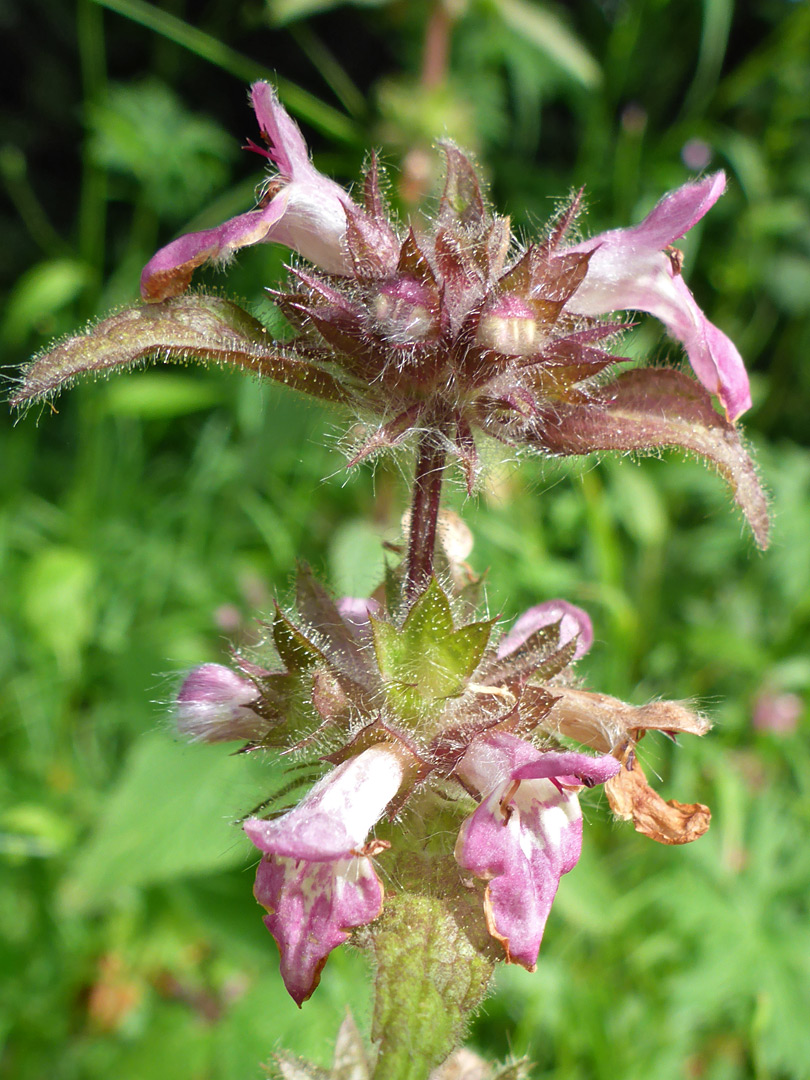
x=450, y=758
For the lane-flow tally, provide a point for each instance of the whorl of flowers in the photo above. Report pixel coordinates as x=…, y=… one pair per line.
x=446, y=326
x=432, y=729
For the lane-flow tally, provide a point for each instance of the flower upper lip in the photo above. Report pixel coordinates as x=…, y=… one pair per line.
x=632, y=269
x=307, y=212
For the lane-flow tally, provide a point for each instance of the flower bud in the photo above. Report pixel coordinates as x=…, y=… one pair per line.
x=214, y=705
x=510, y=327
x=405, y=312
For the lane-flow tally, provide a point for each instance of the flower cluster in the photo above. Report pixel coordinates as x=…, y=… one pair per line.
x=449, y=327
x=459, y=302
x=455, y=327
x=425, y=719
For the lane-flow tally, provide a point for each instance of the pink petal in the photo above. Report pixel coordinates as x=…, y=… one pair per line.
x=670, y=219
x=521, y=850
x=492, y=759
x=574, y=623
x=213, y=705
x=314, y=879
x=356, y=612
x=334, y=819
x=307, y=214
x=311, y=906
x=629, y=269
x=525, y=834
x=286, y=147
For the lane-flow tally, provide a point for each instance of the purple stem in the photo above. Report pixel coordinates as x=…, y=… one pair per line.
x=427, y=489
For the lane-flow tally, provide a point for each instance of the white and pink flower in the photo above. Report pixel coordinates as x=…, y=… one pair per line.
x=635, y=269
x=303, y=210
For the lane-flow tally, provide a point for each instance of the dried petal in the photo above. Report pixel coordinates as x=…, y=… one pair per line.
x=606, y=724
x=632, y=798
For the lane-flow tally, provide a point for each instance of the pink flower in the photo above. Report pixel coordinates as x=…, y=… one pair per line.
x=303, y=210
x=632, y=269
x=525, y=834
x=523, y=831
x=317, y=880
x=214, y=704
x=573, y=621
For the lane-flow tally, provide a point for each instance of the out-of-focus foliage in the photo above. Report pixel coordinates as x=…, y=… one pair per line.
x=144, y=524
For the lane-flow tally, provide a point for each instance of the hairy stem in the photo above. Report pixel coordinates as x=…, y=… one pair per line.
x=427, y=489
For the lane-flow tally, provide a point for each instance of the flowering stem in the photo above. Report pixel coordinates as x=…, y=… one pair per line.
x=432, y=973
x=427, y=488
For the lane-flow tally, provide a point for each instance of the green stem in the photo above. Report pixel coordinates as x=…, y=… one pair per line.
x=431, y=974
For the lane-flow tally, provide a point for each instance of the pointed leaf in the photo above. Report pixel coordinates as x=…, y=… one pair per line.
x=371, y=243
x=427, y=660
x=319, y=611
x=412, y=261
x=389, y=434
x=645, y=409
x=296, y=651
x=430, y=614
x=461, y=201
x=206, y=329
x=372, y=197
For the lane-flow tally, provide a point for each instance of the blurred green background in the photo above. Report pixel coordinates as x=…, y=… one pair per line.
x=146, y=520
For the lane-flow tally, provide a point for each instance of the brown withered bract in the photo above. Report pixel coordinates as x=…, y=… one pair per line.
x=611, y=726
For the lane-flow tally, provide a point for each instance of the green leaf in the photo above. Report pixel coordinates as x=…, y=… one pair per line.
x=169, y=816
x=427, y=660
x=42, y=292
x=158, y=396
x=547, y=32
x=205, y=329
x=648, y=408
x=356, y=559
x=297, y=652
x=59, y=602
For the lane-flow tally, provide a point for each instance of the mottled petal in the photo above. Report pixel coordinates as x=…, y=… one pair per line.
x=316, y=880
x=307, y=212
x=521, y=848
x=630, y=269
x=526, y=833
x=213, y=705
x=311, y=906
x=332, y=822
x=574, y=623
